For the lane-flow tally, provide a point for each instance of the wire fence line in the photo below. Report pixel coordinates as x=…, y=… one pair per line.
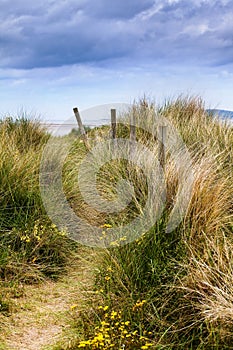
x=91, y=123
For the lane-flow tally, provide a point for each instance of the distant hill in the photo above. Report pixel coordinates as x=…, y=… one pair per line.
x=221, y=113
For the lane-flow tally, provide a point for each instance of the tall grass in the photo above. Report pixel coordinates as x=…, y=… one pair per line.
x=30, y=246
x=21, y=144
x=170, y=290
x=173, y=289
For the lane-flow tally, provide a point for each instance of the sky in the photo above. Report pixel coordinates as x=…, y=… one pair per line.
x=56, y=55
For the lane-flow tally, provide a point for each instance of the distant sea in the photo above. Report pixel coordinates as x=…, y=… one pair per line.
x=222, y=114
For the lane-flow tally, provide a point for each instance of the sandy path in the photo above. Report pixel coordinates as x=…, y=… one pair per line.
x=43, y=311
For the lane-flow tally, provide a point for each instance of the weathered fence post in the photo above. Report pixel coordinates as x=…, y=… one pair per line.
x=113, y=123
x=132, y=131
x=162, y=145
x=81, y=127
x=113, y=131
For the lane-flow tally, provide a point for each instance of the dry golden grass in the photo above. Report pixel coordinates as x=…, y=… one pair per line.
x=195, y=279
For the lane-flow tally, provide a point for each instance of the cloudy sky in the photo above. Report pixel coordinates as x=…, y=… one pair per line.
x=57, y=54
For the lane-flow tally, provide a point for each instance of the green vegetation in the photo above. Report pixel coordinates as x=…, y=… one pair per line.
x=163, y=290
x=31, y=247
x=167, y=290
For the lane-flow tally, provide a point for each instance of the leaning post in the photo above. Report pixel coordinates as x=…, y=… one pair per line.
x=81, y=127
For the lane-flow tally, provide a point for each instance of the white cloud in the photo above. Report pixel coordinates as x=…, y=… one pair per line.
x=58, y=33
x=66, y=51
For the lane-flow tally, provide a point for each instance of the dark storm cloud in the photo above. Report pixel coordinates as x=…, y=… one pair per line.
x=55, y=33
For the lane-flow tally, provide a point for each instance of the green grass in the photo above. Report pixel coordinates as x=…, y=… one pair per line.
x=161, y=290
x=31, y=247
x=183, y=277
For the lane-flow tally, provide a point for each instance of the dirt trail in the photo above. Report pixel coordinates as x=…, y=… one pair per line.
x=43, y=311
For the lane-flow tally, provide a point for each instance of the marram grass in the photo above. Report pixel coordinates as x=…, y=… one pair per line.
x=174, y=289
x=31, y=247
x=161, y=291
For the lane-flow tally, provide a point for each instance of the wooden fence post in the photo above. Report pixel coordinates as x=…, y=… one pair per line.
x=132, y=131
x=81, y=127
x=113, y=123
x=162, y=145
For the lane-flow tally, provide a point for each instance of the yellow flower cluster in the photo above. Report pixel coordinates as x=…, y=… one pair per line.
x=104, y=233
x=38, y=232
x=115, y=333
x=140, y=240
x=108, y=273
x=106, y=226
x=139, y=304
x=117, y=242
x=25, y=238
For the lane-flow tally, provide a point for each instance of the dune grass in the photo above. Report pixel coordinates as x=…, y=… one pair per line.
x=31, y=247
x=160, y=290
x=167, y=290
